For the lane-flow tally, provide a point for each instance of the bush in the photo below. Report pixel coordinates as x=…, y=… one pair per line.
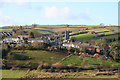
x=37, y=45
x=5, y=48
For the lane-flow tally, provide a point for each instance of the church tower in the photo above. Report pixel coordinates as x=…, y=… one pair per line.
x=67, y=33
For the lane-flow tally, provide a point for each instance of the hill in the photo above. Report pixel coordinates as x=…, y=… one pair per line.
x=90, y=32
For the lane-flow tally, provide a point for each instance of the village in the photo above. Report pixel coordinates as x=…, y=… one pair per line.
x=65, y=43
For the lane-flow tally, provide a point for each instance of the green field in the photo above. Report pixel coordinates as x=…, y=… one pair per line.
x=111, y=36
x=99, y=30
x=37, y=56
x=44, y=32
x=82, y=37
x=5, y=30
x=13, y=73
x=78, y=61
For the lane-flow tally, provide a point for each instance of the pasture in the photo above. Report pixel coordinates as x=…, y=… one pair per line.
x=13, y=73
x=36, y=56
x=87, y=61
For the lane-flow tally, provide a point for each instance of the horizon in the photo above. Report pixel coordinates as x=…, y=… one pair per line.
x=59, y=13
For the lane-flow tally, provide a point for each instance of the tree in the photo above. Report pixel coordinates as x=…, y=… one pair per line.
x=73, y=39
x=101, y=43
x=5, y=50
x=34, y=34
x=20, y=32
x=21, y=28
x=3, y=36
x=37, y=45
x=10, y=56
x=114, y=51
x=4, y=63
x=31, y=35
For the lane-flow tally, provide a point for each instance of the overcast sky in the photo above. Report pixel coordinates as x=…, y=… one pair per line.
x=19, y=12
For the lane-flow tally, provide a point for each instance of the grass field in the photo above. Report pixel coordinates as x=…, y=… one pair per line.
x=82, y=37
x=13, y=73
x=99, y=30
x=5, y=30
x=111, y=36
x=105, y=33
x=77, y=61
x=44, y=32
x=37, y=56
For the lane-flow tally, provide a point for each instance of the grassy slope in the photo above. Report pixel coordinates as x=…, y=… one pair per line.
x=39, y=55
x=98, y=30
x=76, y=61
x=82, y=37
x=111, y=36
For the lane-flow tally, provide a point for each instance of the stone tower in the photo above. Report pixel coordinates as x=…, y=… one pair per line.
x=67, y=33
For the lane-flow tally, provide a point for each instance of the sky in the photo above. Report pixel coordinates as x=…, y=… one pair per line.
x=19, y=12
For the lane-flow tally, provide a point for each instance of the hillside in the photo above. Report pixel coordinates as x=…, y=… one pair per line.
x=33, y=57
x=82, y=61
x=90, y=32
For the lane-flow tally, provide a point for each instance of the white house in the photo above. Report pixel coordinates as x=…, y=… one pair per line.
x=37, y=41
x=11, y=40
x=34, y=40
x=22, y=37
x=74, y=45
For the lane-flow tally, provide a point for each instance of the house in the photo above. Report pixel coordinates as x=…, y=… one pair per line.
x=34, y=40
x=94, y=48
x=73, y=45
x=23, y=37
x=11, y=40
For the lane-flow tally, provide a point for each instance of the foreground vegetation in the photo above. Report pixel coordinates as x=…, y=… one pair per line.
x=36, y=74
